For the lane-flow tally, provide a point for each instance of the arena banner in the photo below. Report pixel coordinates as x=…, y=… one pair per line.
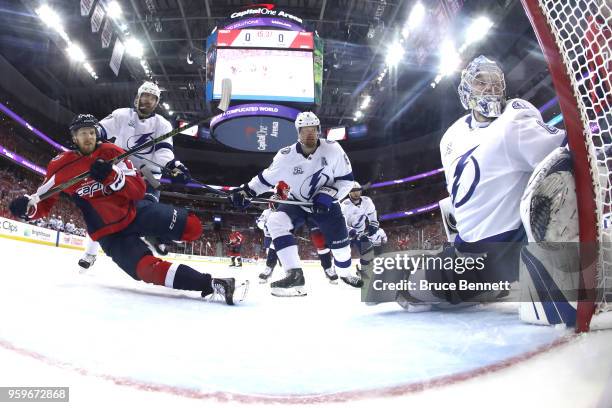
x=71, y=241
x=264, y=22
x=264, y=134
x=254, y=109
x=26, y=232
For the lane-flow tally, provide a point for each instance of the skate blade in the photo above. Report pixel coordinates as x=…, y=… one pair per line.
x=262, y=281
x=295, y=291
x=333, y=282
x=241, y=291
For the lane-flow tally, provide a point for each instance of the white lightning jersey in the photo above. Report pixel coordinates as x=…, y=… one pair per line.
x=379, y=237
x=263, y=220
x=305, y=174
x=359, y=215
x=487, y=166
x=130, y=131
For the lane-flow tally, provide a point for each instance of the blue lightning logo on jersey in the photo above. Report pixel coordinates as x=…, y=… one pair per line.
x=314, y=183
x=461, y=165
x=137, y=140
x=310, y=185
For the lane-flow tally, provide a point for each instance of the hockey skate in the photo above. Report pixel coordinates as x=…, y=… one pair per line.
x=87, y=261
x=354, y=281
x=291, y=285
x=225, y=289
x=331, y=274
x=265, y=275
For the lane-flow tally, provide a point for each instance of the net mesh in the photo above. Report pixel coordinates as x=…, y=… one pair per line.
x=582, y=31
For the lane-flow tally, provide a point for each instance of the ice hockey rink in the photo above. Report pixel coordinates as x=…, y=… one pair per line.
x=114, y=340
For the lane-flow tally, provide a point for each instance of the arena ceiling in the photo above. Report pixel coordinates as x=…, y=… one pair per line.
x=356, y=34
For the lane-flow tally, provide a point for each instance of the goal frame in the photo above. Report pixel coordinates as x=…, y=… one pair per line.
x=585, y=192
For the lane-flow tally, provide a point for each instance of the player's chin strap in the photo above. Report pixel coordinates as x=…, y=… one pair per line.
x=156, y=184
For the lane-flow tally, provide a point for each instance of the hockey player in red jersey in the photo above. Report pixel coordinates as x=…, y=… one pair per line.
x=111, y=200
x=235, y=247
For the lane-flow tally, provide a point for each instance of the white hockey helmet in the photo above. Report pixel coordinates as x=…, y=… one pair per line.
x=483, y=87
x=150, y=88
x=356, y=187
x=305, y=119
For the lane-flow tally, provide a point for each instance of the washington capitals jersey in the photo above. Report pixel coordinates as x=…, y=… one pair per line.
x=107, y=207
x=487, y=166
x=359, y=215
x=235, y=238
x=263, y=220
x=128, y=131
x=327, y=166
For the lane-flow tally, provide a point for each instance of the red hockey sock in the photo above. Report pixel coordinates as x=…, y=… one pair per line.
x=152, y=270
x=193, y=228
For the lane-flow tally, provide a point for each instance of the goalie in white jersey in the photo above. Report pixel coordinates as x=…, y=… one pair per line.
x=362, y=222
x=488, y=158
x=131, y=127
x=319, y=174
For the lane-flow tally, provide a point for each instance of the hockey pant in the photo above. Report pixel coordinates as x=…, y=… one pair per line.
x=133, y=256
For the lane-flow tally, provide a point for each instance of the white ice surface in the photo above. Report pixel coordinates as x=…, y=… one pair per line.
x=59, y=327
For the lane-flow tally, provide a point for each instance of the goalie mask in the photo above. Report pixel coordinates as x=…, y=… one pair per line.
x=483, y=87
x=146, y=106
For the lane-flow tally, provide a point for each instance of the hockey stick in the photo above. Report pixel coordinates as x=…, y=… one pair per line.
x=226, y=91
x=262, y=200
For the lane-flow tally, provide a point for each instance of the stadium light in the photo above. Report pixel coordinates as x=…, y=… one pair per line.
x=477, y=30
x=113, y=9
x=358, y=115
x=166, y=106
x=170, y=113
x=134, y=48
x=49, y=16
x=394, y=54
x=366, y=101
x=449, y=58
x=417, y=15
x=75, y=52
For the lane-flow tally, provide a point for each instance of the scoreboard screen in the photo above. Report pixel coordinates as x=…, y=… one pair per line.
x=266, y=74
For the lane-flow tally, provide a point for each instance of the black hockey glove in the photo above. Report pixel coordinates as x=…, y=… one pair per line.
x=240, y=197
x=100, y=170
x=372, y=229
x=323, y=200
x=178, y=172
x=20, y=207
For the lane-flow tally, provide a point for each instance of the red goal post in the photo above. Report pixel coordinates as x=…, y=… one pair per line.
x=576, y=45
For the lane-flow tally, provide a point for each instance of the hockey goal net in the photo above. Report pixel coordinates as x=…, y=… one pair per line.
x=576, y=41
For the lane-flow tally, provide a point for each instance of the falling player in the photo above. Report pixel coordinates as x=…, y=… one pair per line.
x=235, y=248
x=131, y=127
x=111, y=201
x=488, y=157
x=319, y=174
x=362, y=222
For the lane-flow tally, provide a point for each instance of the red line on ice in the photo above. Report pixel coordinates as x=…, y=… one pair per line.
x=344, y=396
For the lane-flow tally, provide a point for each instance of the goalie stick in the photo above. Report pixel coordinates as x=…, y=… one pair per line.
x=226, y=91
